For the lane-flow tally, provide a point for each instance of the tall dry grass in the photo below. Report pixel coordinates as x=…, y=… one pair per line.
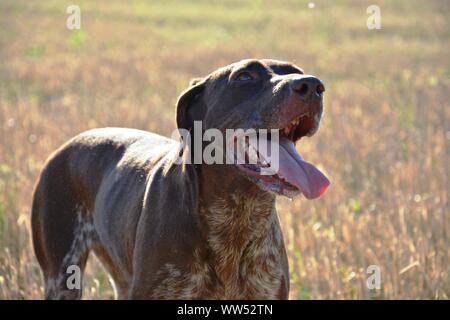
x=384, y=141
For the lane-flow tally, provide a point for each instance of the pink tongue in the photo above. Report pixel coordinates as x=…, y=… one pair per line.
x=306, y=177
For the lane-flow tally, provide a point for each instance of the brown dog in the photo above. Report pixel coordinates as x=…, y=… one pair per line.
x=164, y=230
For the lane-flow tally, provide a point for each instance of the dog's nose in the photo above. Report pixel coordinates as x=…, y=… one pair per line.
x=307, y=86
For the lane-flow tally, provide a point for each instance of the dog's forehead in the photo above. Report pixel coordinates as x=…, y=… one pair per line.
x=282, y=67
x=276, y=66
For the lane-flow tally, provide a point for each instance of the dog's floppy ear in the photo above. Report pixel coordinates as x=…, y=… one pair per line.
x=189, y=105
x=194, y=81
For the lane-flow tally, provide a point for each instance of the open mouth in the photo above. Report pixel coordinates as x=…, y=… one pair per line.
x=293, y=175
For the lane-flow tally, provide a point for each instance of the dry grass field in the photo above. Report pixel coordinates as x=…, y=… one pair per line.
x=384, y=140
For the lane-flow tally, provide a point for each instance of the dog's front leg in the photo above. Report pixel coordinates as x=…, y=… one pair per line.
x=166, y=239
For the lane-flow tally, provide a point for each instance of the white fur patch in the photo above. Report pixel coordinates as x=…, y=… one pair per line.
x=84, y=235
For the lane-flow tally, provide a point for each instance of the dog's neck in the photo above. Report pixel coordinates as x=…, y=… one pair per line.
x=236, y=215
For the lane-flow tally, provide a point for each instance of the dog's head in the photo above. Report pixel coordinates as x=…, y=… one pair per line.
x=262, y=94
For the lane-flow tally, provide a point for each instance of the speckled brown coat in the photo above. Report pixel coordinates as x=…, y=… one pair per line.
x=164, y=230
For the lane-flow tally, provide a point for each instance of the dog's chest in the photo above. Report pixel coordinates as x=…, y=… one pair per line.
x=258, y=277
x=242, y=259
x=245, y=241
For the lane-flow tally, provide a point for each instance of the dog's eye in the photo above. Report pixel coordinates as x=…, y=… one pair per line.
x=244, y=76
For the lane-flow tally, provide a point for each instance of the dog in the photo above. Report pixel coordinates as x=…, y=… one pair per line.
x=165, y=230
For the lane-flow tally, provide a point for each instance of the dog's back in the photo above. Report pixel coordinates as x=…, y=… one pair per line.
x=73, y=186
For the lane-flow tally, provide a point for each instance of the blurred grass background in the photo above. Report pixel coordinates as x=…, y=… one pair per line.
x=384, y=140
